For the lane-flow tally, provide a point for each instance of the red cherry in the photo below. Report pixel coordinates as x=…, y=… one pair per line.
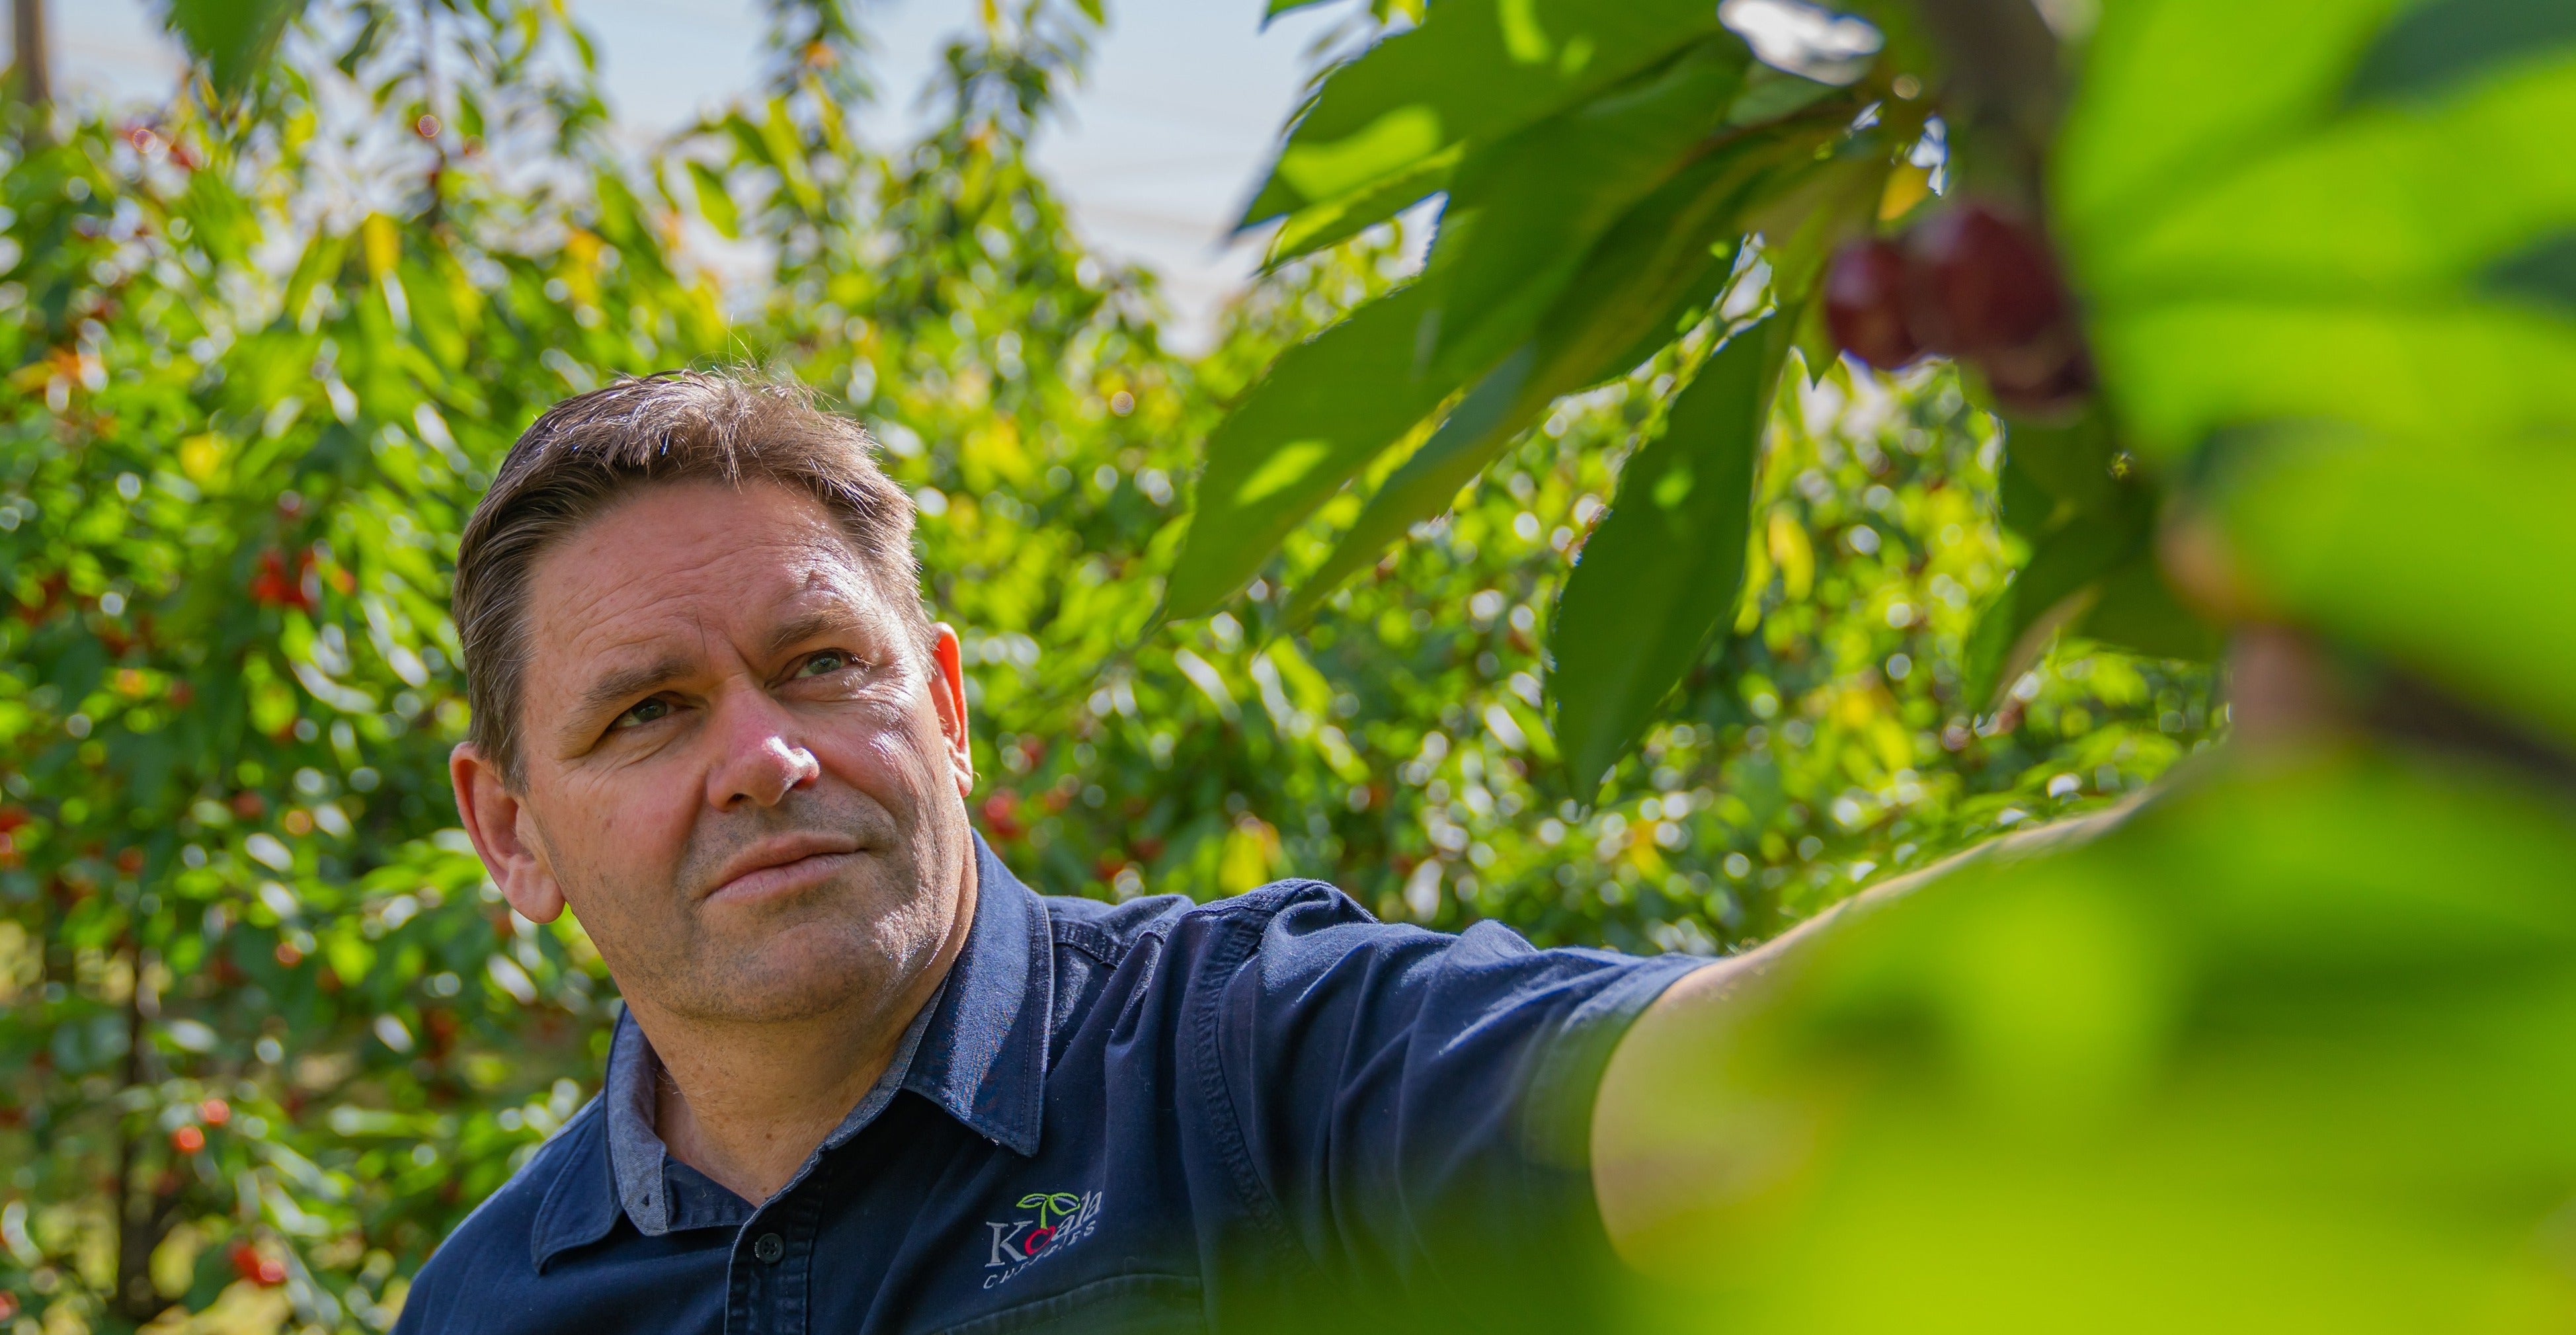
x=215, y=1111
x=1979, y=282
x=258, y=1269
x=1865, y=304
x=187, y=1140
x=1038, y=1239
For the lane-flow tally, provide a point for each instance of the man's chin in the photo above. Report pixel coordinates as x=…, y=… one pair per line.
x=792, y=971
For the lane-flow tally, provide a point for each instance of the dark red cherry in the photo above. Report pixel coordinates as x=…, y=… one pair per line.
x=1979, y=281
x=1865, y=304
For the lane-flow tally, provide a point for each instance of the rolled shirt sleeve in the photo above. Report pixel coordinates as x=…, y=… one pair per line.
x=1420, y=1104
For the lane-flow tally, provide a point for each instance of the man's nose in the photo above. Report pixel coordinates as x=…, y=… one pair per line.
x=763, y=759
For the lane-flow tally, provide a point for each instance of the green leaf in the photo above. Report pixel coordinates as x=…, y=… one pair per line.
x=1473, y=70
x=2456, y=368
x=2398, y=202
x=1496, y=409
x=715, y=202
x=1522, y=214
x=2184, y=91
x=2135, y=610
x=787, y=153
x=1664, y=570
x=2433, y=47
x=2545, y=272
x=2071, y=463
x=1652, y=269
x=233, y=39
x=1325, y=409
x=1312, y=228
x=1770, y=94
x=2447, y=553
x=2051, y=594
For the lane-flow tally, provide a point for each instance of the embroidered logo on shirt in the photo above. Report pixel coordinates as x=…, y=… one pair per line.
x=1059, y=1220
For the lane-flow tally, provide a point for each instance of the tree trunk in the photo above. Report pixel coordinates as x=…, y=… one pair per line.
x=144, y=1210
x=35, y=77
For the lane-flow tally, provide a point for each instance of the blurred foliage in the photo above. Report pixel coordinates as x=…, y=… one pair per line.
x=2281, y=1047
x=265, y=1031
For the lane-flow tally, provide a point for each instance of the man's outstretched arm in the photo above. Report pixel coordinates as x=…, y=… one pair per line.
x=1657, y=1155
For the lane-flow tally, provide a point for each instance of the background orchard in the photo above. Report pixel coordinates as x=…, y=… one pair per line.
x=266, y=1031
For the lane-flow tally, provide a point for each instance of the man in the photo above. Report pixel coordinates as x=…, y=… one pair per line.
x=866, y=1080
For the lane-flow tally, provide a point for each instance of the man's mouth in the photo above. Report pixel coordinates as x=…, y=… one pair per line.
x=782, y=866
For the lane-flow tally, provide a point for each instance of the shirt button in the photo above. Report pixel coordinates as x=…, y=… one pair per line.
x=769, y=1248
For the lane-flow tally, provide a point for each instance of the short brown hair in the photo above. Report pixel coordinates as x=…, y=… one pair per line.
x=593, y=449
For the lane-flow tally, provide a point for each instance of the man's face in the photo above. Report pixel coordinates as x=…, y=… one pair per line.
x=738, y=767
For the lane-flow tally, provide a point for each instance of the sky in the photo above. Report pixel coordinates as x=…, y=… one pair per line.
x=1155, y=156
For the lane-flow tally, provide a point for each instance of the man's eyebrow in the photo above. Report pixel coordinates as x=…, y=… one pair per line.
x=815, y=624
x=619, y=688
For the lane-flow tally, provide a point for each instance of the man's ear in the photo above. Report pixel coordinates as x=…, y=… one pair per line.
x=948, y=694
x=504, y=834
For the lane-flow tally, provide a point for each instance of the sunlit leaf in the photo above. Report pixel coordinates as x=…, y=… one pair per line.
x=1663, y=571
x=1324, y=410
x=1522, y=215
x=1474, y=70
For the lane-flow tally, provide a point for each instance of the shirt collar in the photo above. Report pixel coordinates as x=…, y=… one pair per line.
x=977, y=1050
x=984, y=1058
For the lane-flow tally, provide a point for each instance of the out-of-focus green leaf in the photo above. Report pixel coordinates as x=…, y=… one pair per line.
x=715, y=201
x=233, y=39
x=1523, y=214
x=1664, y=569
x=1474, y=70
x=2319, y=261
x=2544, y=272
x=2343, y=208
x=2284, y=1050
x=2436, y=45
x=1324, y=410
x=2448, y=554
x=2177, y=93
x=2432, y=371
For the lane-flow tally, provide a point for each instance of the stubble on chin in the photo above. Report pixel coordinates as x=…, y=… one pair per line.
x=864, y=932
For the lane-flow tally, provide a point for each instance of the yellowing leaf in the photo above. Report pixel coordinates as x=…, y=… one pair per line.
x=1793, y=554
x=382, y=244
x=1251, y=849
x=200, y=455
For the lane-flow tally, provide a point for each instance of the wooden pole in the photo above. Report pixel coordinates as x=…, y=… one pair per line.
x=35, y=78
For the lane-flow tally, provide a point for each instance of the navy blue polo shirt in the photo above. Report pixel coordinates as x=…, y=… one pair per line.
x=1157, y=1115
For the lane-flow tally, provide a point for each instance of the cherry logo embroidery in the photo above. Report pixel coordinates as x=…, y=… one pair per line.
x=1059, y=1220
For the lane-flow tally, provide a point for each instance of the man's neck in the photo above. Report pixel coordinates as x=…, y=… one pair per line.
x=747, y=1103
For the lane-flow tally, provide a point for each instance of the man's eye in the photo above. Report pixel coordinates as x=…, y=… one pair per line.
x=828, y=661
x=647, y=711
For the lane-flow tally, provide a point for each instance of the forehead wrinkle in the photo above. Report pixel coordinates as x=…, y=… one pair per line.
x=613, y=587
